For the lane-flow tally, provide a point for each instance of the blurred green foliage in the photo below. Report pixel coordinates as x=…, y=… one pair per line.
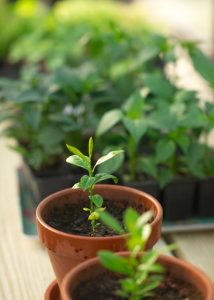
x=86, y=61
x=17, y=19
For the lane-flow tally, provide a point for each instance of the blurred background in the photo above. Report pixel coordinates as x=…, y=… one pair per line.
x=136, y=75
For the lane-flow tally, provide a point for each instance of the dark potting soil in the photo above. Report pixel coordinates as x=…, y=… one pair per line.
x=106, y=285
x=71, y=218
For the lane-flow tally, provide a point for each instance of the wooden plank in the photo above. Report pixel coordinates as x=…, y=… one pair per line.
x=197, y=248
x=25, y=269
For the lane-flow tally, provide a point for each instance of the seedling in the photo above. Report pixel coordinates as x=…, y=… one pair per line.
x=87, y=182
x=142, y=274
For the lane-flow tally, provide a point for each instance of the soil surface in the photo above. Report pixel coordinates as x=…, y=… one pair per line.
x=106, y=285
x=71, y=218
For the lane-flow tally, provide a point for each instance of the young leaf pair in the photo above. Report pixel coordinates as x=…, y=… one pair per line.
x=87, y=182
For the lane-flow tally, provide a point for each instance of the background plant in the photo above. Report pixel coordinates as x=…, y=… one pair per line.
x=161, y=127
x=141, y=273
x=132, y=120
x=110, y=57
x=88, y=24
x=178, y=124
x=118, y=48
x=18, y=19
x=72, y=100
x=42, y=112
x=87, y=182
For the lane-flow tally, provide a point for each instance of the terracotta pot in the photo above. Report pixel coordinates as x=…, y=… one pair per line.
x=52, y=292
x=67, y=250
x=178, y=268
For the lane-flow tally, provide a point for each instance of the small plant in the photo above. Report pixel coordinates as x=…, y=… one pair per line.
x=87, y=182
x=142, y=274
x=40, y=112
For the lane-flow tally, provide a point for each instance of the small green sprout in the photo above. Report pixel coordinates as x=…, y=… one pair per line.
x=142, y=274
x=87, y=182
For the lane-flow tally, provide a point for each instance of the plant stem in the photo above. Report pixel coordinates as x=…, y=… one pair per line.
x=91, y=202
x=133, y=161
x=92, y=210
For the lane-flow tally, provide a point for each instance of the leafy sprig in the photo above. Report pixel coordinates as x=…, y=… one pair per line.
x=142, y=274
x=87, y=182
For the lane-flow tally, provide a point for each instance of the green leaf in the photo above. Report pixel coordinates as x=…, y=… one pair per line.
x=202, y=64
x=136, y=127
x=144, y=218
x=148, y=53
x=148, y=259
x=156, y=268
x=128, y=285
x=194, y=159
x=102, y=176
x=183, y=141
x=164, y=150
x=158, y=85
x=120, y=68
x=50, y=136
x=86, y=182
x=186, y=97
x=94, y=216
x=36, y=158
x=97, y=200
x=77, y=152
x=76, y=185
x=135, y=243
x=78, y=161
x=165, y=176
x=111, y=222
x=141, y=277
x=164, y=122
x=107, y=157
x=108, y=120
x=114, y=262
x=29, y=96
x=100, y=209
x=32, y=114
x=196, y=170
x=134, y=106
x=112, y=165
x=90, y=147
x=146, y=232
x=130, y=219
x=193, y=119
x=195, y=153
x=167, y=249
x=150, y=287
x=148, y=166
x=86, y=209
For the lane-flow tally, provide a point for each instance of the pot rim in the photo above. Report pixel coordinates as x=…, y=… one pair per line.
x=169, y=260
x=43, y=203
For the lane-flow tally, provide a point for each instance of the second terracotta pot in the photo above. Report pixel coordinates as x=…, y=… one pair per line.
x=68, y=250
x=176, y=267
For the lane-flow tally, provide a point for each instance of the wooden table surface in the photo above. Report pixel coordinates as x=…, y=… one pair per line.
x=25, y=270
